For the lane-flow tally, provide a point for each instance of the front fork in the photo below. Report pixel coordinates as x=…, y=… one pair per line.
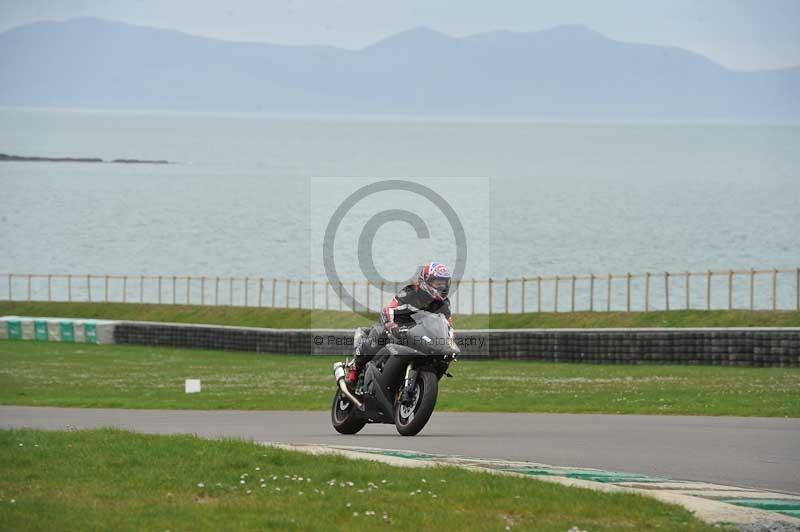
x=409, y=384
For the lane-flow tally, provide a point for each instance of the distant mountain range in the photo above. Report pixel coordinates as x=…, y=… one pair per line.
x=568, y=72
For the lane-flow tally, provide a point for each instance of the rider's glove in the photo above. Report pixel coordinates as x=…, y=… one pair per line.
x=391, y=328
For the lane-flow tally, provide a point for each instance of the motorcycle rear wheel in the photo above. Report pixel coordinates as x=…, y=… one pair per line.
x=409, y=420
x=344, y=415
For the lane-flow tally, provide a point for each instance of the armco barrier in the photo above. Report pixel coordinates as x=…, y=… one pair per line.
x=743, y=346
x=719, y=346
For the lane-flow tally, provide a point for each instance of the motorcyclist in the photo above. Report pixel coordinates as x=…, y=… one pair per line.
x=428, y=293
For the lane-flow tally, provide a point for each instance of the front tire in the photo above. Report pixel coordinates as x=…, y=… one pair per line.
x=411, y=419
x=344, y=416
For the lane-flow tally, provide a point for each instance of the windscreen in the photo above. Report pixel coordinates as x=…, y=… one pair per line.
x=431, y=332
x=433, y=323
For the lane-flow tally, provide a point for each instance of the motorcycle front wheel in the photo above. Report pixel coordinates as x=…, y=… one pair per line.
x=344, y=415
x=411, y=418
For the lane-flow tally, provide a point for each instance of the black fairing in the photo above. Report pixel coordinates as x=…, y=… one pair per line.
x=426, y=344
x=429, y=335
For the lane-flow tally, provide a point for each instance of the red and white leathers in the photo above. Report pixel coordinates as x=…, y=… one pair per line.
x=398, y=312
x=409, y=300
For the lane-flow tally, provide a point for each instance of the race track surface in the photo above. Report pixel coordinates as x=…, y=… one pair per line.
x=746, y=452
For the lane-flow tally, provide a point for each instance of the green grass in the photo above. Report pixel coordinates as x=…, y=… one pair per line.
x=114, y=480
x=305, y=318
x=237, y=316
x=85, y=375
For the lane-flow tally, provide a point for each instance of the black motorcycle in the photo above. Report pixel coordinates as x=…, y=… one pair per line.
x=401, y=382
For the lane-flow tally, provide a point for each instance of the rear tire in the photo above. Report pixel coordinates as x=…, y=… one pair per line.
x=344, y=416
x=409, y=423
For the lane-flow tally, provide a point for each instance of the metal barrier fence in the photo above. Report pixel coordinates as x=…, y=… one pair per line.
x=773, y=289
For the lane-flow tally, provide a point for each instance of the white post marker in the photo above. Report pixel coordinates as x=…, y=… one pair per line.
x=192, y=385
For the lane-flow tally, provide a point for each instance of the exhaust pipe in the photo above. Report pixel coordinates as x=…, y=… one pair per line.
x=339, y=374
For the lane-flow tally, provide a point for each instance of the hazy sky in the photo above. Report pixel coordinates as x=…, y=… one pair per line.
x=740, y=34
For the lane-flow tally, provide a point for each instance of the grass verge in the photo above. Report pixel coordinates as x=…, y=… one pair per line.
x=114, y=480
x=85, y=375
x=306, y=318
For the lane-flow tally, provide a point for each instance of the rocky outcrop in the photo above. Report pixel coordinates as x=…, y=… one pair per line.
x=21, y=158
x=139, y=161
